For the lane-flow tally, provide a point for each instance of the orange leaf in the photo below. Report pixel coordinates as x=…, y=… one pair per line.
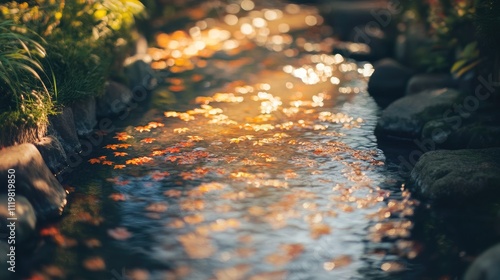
x=125, y=146
x=148, y=140
x=117, y=196
x=338, y=262
x=142, y=128
x=157, y=207
x=155, y=125
x=173, y=193
x=112, y=146
x=122, y=136
x=119, y=233
x=94, y=264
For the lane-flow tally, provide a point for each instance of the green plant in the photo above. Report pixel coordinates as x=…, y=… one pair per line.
x=82, y=42
x=25, y=87
x=450, y=25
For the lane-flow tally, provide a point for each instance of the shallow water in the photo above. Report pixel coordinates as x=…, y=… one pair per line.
x=273, y=172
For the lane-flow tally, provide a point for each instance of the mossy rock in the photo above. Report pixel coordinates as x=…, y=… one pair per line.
x=406, y=117
x=458, y=177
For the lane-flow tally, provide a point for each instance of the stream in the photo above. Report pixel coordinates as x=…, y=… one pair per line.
x=254, y=157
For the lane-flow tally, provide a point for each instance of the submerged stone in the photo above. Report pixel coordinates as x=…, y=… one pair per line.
x=33, y=179
x=457, y=177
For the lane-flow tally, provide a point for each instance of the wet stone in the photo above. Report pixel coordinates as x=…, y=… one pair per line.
x=33, y=179
x=4, y=273
x=62, y=126
x=114, y=101
x=52, y=152
x=84, y=113
x=457, y=177
x=389, y=80
x=485, y=267
x=25, y=218
x=422, y=82
x=407, y=116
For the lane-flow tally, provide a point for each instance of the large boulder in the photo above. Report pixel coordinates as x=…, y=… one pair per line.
x=422, y=82
x=52, y=153
x=33, y=180
x=486, y=266
x=84, y=113
x=115, y=99
x=25, y=222
x=457, y=177
x=407, y=116
x=389, y=80
x=62, y=126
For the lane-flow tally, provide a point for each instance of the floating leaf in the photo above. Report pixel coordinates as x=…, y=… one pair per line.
x=148, y=140
x=123, y=136
x=338, y=262
x=119, y=233
x=197, y=246
x=94, y=264
x=117, y=197
x=392, y=267
x=232, y=273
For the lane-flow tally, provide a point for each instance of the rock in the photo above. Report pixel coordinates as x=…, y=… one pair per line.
x=345, y=16
x=463, y=129
x=438, y=131
x=114, y=101
x=407, y=116
x=422, y=82
x=485, y=267
x=457, y=177
x=33, y=180
x=142, y=78
x=476, y=136
x=4, y=273
x=25, y=214
x=471, y=136
x=52, y=153
x=62, y=126
x=84, y=113
x=389, y=80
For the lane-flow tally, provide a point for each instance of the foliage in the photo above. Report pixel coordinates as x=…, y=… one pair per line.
x=81, y=41
x=25, y=86
x=450, y=25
